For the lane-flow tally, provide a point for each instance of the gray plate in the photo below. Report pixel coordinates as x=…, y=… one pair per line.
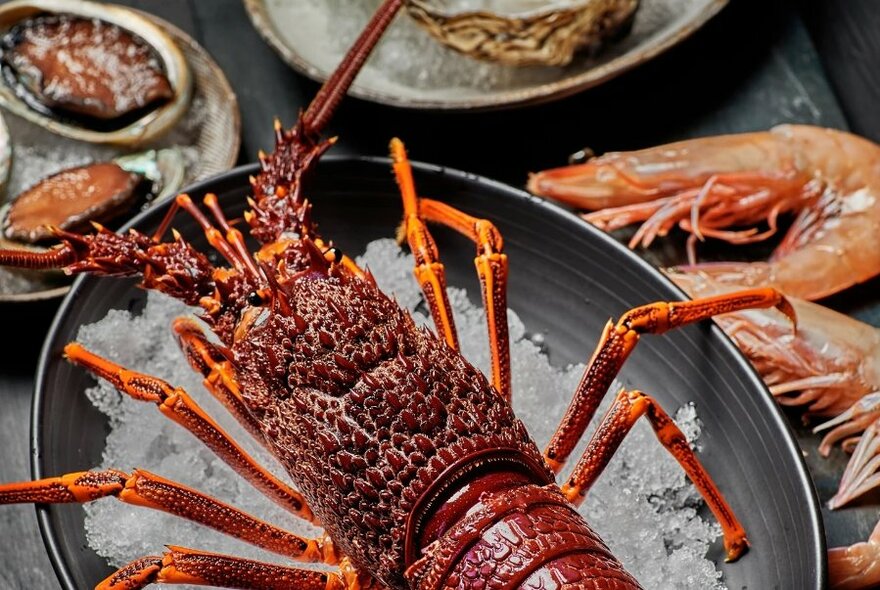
x=561, y=284
x=313, y=36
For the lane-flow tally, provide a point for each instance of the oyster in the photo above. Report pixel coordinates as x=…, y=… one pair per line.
x=93, y=72
x=524, y=32
x=99, y=192
x=68, y=65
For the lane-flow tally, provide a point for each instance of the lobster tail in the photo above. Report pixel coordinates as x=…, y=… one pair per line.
x=526, y=536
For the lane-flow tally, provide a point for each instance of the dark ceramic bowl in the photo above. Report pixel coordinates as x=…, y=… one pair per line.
x=566, y=280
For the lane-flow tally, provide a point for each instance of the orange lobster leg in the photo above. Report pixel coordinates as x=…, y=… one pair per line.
x=187, y=566
x=617, y=342
x=429, y=271
x=616, y=424
x=176, y=404
x=491, y=262
x=208, y=359
x=235, y=252
x=142, y=488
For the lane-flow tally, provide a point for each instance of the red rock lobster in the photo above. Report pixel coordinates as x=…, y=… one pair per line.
x=411, y=460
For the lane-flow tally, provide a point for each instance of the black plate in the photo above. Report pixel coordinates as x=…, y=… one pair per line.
x=566, y=280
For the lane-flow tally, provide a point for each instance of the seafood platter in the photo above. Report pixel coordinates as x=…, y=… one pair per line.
x=348, y=397
x=124, y=111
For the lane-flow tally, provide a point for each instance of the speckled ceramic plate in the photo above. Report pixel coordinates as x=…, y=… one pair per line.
x=208, y=136
x=410, y=69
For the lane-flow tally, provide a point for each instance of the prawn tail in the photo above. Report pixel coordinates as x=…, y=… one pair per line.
x=856, y=566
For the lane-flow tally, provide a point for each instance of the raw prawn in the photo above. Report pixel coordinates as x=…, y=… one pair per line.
x=830, y=363
x=856, y=566
x=829, y=178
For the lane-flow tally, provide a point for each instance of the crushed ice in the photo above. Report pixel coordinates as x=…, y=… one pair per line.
x=643, y=505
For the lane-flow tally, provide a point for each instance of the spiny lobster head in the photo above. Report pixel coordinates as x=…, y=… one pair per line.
x=245, y=304
x=279, y=218
x=278, y=210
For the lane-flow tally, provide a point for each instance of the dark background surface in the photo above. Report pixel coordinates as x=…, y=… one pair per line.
x=757, y=64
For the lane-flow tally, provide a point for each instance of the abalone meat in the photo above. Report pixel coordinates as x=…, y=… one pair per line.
x=95, y=72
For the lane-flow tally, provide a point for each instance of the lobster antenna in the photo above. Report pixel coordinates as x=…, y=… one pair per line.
x=57, y=257
x=334, y=89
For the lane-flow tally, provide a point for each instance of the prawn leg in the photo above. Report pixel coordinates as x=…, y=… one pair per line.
x=491, y=263
x=618, y=341
x=849, y=425
x=627, y=408
x=179, y=565
x=145, y=489
x=863, y=470
x=176, y=404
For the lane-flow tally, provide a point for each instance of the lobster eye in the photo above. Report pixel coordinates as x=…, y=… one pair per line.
x=254, y=299
x=333, y=254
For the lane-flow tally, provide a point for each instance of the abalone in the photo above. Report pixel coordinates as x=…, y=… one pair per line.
x=66, y=65
x=94, y=72
x=99, y=192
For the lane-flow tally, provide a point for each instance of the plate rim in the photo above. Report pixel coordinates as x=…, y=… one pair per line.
x=774, y=412
x=531, y=95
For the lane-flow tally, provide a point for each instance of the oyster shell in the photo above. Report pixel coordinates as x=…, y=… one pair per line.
x=98, y=192
x=523, y=34
x=156, y=68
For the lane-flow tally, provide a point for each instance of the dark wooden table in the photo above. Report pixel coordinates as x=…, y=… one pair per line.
x=759, y=63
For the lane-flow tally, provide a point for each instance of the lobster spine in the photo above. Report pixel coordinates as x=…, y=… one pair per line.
x=527, y=536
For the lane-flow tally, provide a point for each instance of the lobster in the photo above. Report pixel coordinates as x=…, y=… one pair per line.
x=409, y=457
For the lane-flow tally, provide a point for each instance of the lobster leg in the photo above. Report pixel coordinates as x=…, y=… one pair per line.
x=429, y=271
x=176, y=404
x=231, y=246
x=616, y=424
x=491, y=262
x=208, y=359
x=179, y=565
x=619, y=339
x=142, y=488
